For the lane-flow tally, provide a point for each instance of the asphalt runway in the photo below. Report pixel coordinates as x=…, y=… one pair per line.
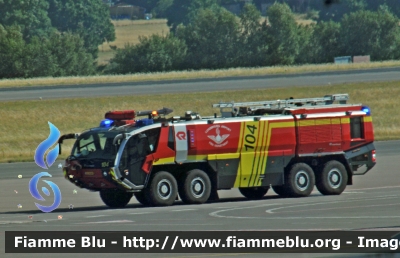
x=200, y=85
x=372, y=203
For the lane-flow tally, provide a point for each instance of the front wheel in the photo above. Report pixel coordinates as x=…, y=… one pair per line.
x=254, y=193
x=115, y=198
x=162, y=190
x=142, y=198
x=299, y=180
x=280, y=190
x=195, y=187
x=333, y=178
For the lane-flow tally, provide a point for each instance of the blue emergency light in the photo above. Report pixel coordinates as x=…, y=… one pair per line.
x=106, y=123
x=366, y=109
x=144, y=122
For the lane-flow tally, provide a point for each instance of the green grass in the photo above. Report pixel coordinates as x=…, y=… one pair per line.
x=25, y=123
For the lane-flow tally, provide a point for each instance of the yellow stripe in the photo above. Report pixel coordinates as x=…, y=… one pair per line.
x=263, y=154
x=239, y=171
x=367, y=119
x=250, y=142
x=253, y=158
x=345, y=120
x=329, y=121
x=164, y=161
x=224, y=156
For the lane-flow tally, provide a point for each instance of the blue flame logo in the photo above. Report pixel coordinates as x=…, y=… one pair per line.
x=45, y=145
x=50, y=159
x=35, y=193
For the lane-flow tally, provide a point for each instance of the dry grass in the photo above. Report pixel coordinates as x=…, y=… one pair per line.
x=24, y=123
x=302, y=19
x=194, y=74
x=128, y=32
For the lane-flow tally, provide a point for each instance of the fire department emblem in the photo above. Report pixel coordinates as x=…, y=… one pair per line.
x=218, y=135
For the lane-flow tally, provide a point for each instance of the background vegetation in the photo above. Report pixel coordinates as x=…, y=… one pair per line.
x=63, y=37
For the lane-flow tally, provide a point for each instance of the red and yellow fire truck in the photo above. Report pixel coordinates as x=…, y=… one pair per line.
x=288, y=145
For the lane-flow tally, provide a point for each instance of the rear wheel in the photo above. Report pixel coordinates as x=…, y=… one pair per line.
x=254, y=193
x=299, y=181
x=162, y=190
x=333, y=178
x=115, y=198
x=195, y=187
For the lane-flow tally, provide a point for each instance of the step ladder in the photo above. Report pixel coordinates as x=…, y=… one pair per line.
x=243, y=108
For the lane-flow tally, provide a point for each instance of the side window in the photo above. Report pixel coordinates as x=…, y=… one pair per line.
x=153, y=135
x=171, y=139
x=356, y=127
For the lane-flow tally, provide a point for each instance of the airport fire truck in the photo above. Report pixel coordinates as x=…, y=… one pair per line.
x=288, y=145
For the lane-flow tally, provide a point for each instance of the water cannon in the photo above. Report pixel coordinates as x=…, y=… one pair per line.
x=153, y=113
x=126, y=117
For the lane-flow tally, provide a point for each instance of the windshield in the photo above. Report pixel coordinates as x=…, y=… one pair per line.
x=95, y=145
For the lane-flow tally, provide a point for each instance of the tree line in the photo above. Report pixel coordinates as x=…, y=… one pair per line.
x=52, y=37
x=212, y=38
x=61, y=37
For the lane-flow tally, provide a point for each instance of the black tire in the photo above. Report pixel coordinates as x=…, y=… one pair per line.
x=299, y=180
x=333, y=178
x=162, y=190
x=254, y=193
x=115, y=198
x=280, y=190
x=195, y=187
x=142, y=198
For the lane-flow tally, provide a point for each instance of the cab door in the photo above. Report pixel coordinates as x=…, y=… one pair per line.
x=137, y=158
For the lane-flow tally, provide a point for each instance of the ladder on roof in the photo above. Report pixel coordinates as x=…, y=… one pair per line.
x=243, y=107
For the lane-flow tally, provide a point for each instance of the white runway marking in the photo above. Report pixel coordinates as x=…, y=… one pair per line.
x=271, y=211
x=97, y=216
x=380, y=187
x=186, y=210
x=353, y=192
x=293, y=205
x=106, y=222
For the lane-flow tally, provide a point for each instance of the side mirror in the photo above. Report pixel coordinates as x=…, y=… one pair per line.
x=118, y=137
x=64, y=137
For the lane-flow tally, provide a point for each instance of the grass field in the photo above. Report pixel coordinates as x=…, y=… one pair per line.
x=25, y=123
x=128, y=31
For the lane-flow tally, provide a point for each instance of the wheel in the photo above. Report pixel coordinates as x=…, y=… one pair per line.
x=299, y=180
x=254, y=193
x=142, y=198
x=115, y=198
x=333, y=178
x=162, y=190
x=195, y=187
x=280, y=190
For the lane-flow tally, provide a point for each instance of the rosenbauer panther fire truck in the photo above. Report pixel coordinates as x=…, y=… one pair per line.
x=290, y=145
